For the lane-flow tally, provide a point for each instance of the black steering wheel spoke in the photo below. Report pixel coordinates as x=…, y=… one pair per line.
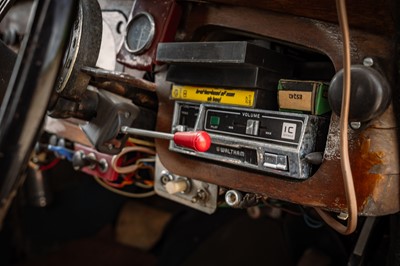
x=29, y=89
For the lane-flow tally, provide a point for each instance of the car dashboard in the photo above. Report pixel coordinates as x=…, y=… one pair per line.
x=225, y=103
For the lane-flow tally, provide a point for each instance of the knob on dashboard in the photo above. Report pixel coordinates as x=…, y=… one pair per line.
x=177, y=186
x=370, y=93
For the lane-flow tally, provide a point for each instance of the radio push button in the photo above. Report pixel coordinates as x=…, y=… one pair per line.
x=214, y=121
x=275, y=161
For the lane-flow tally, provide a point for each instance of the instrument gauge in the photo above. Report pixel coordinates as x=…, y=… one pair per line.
x=139, y=33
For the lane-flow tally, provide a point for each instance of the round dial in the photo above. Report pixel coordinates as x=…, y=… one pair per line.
x=139, y=33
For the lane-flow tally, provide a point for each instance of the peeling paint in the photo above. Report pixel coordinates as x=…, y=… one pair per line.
x=332, y=149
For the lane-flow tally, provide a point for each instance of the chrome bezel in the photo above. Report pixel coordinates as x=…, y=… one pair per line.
x=151, y=34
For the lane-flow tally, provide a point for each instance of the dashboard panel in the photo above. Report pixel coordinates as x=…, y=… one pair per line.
x=302, y=42
x=261, y=81
x=369, y=150
x=199, y=132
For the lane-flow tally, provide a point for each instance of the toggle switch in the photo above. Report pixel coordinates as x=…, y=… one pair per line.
x=80, y=160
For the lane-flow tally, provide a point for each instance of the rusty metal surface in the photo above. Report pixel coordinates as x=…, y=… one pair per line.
x=141, y=91
x=374, y=152
x=120, y=77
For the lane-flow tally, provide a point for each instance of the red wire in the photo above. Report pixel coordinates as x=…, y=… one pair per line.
x=50, y=165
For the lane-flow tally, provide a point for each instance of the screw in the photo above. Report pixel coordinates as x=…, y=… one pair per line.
x=355, y=125
x=368, y=62
x=194, y=199
x=110, y=146
x=166, y=177
x=127, y=114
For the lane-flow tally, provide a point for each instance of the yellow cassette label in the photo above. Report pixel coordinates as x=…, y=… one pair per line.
x=214, y=95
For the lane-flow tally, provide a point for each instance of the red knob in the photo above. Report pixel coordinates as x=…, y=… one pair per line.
x=198, y=140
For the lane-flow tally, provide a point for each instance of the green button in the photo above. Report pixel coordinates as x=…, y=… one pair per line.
x=214, y=120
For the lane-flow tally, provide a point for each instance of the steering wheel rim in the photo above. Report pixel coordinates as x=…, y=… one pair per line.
x=28, y=92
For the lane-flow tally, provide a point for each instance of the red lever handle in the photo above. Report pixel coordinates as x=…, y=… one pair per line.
x=198, y=140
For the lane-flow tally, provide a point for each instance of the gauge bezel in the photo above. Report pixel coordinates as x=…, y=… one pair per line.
x=151, y=34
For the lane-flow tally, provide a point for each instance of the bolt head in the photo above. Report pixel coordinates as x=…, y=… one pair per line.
x=355, y=125
x=368, y=62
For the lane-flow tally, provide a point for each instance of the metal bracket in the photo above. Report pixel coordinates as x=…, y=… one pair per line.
x=113, y=112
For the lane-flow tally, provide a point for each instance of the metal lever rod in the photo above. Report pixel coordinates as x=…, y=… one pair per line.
x=147, y=133
x=197, y=140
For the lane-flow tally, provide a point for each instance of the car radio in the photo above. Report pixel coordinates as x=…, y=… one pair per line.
x=263, y=140
x=230, y=90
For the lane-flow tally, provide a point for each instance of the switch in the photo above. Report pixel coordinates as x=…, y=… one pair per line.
x=214, y=120
x=275, y=161
x=80, y=160
x=201, y=196
x=252, y=127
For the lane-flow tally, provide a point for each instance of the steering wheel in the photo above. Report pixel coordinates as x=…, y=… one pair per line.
x=29, y=89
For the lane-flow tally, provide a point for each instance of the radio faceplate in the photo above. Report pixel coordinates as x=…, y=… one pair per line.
x=268, y=141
